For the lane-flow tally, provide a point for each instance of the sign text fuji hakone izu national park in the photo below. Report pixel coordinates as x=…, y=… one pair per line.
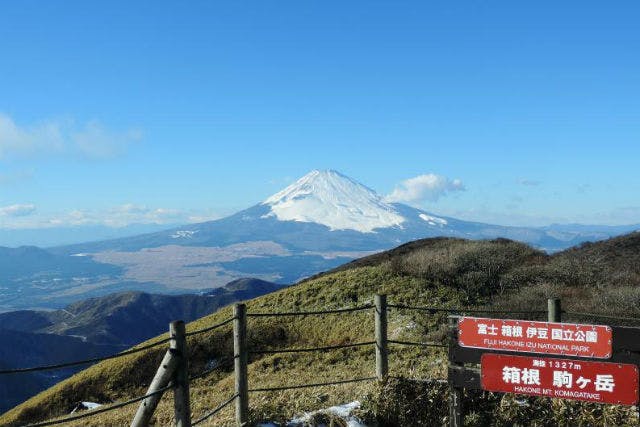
x=601, y=382
x=593, y=341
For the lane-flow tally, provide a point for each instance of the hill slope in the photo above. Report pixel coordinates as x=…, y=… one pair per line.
x=98, y=327
x=33, y=349
x=326, y=211
x=443, y=272
x=315, y=224
x=126, y=318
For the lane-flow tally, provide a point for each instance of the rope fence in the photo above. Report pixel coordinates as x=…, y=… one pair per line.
x=312, y=349
x=112, y=356
x=421, y=380
x=210, y=328
x=241, y=352
x=215, y=411
x=85, y=361
x=97, y=411
x=601, y=316
x=312, y=313
x=294, y=387
x=433, y=310
x=417, y=344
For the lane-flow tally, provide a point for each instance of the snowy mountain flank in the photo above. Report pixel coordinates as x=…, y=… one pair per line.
x=332, y=199
x=321, y=221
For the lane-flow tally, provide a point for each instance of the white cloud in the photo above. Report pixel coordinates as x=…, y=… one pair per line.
x=94, y=141
x=139, y=214
x=25, y=216
x=90, y=140
x=428, y=187
x=17, y=210
x=43, y=137
x=120, y=216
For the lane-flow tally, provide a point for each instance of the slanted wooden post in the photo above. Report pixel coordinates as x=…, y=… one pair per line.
x=160, y=380
x=240, y=361
x=181, y=404
x=554, y=310
x=382, y=350
x=456, y=410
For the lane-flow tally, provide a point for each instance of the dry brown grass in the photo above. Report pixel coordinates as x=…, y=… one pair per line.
x=446, y=273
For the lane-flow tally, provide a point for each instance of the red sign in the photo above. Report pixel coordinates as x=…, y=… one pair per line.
x=561, y=378
x=566, y=339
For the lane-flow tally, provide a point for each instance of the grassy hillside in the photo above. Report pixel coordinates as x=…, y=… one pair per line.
x=97, y=327
x=32, y=349
x=443, y=272
x=126, y=318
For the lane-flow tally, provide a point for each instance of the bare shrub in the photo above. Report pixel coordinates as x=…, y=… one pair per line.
x=474, y=267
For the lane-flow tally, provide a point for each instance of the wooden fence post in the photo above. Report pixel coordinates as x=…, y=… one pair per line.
x=456, y=410
x=382, y=350
x=181, y=404
x=241, y=359
x=554, y=310
x=160, y=380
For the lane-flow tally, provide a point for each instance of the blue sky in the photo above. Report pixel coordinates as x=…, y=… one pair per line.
x=163, y=112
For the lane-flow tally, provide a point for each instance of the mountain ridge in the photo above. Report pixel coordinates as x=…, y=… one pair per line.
x=330, y=203
x=98, y=327
x=322, y=220
x=443, y=272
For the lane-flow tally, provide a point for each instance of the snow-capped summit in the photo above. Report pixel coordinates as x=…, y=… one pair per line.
x=317, y=223
x=329, y=198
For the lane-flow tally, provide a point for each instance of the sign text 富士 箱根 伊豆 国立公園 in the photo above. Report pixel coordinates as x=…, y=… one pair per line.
x=567, y=339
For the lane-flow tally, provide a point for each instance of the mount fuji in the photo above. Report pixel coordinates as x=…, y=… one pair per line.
x=317, y=223
x=328, y=211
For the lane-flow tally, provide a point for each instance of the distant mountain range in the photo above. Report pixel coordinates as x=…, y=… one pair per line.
x=97, y=327
x=327, y=211
x=317, y=223
x=56, y=236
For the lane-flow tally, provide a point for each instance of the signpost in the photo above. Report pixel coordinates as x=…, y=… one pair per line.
x=594, y=363
x=592, y=341
x=600, y=382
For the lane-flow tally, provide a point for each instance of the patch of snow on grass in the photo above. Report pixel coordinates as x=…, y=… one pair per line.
x=342, y=411
x=85, y=406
